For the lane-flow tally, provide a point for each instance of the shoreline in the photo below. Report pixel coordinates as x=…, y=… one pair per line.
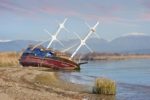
x=18, y=83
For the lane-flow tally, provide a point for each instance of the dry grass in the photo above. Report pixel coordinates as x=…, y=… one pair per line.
x=9, y=59
x=46, y=78
x=52, y=80
x=105, y=86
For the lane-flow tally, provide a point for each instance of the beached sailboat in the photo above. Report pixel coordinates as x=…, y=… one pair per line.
x=45, y=57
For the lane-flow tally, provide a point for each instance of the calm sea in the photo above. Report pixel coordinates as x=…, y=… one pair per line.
x=132, y=76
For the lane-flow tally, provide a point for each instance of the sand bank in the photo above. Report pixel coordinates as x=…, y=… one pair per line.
x=41, y=84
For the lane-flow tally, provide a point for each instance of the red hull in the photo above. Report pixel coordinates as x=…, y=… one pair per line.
x=50, y=62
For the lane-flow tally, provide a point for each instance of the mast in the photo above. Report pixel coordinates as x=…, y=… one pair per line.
x=54, y=37
x=83, y=41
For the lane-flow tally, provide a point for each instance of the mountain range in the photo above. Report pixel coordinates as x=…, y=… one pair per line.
x=135, y=44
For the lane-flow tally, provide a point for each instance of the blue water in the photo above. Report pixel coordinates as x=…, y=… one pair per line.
x=132, y=76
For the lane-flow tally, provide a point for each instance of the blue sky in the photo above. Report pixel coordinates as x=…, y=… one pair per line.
x=26, y=19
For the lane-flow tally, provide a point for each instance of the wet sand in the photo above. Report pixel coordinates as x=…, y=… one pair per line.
x=33, y=84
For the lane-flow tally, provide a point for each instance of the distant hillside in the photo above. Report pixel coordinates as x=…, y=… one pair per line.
x=130, y=44
x=16, y=45
x=125, y=44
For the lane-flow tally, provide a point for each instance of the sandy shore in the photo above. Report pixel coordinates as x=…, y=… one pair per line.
x=41, y=84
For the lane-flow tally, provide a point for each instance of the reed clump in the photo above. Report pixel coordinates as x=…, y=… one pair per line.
x=9, y=59
x=104, y=86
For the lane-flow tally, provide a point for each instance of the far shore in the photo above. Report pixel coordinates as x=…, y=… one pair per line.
x=117, y=57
